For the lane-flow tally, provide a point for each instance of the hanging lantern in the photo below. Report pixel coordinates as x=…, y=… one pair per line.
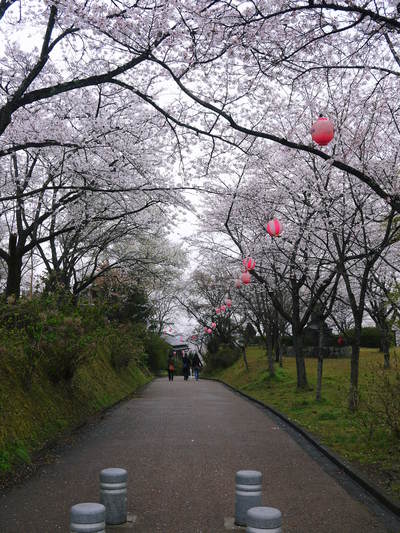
x=209, y=331
x=322, y=131
x=274, y=228
x=213, y=325
x=218, y=310
x=246, y=278
x=238, y=283
x=249, y=263
x=223, y=308
x=173, y=353
x=228, y=302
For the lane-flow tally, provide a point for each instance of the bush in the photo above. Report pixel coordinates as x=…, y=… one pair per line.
x=47, y=338
x=125, y=343
x=121, y=352
x=370, y=337
x=60, y=347
x=55, y=336
x=156, y=350
x=287, y=340
x=224, y=357
x=381, y=402
x=17, y=356
x=46, y=334
x=213, y=344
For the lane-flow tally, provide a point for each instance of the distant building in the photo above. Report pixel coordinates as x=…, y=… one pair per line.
x=175, y=342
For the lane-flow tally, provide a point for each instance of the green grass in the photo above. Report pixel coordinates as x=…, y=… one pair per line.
x=368, y=444
x=31, y=418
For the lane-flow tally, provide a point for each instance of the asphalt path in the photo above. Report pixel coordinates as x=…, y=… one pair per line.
x=182, y=443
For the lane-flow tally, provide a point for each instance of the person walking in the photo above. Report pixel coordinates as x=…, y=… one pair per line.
x=196, y=365
x=185, y=366
x=171, y=368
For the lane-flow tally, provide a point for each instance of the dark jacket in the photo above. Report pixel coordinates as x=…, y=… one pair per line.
x=196, y=363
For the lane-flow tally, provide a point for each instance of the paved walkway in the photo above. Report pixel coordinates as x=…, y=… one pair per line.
x=182, y=443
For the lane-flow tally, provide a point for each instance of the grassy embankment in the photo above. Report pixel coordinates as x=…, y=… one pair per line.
x=30, y=419
x=363, y=438
x=59, y=365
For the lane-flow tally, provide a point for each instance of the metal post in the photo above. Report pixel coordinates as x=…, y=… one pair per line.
x=87, y=518
x=113, y=494
x=248, y=494
x=260, y=519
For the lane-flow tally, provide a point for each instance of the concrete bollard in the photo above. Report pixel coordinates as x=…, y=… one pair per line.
x=113, y=494
x=248, y=494
x=260, y=519
x=88, y=518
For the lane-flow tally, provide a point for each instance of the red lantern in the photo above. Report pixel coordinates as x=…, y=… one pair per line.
x=218, y=310
x=249, y=263
x=223, y=308
x=246, y=278
x=213, y=325
x=209, y=331
x=238, y=283
x=340, y=341
x=274, y=228
x=228, y=303
x=322, y=131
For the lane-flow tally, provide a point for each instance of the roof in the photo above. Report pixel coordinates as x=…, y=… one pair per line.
x=175, y=341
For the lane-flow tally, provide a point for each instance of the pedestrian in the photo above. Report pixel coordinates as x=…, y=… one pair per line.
x=196, y=365
x=185, y=366
x=171, y=368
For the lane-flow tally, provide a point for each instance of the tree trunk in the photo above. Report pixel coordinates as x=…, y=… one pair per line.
x=385, y=333
x=278, y=351
x=14, y=264
x=355, y=356
x=245, y=358
x=270, y=355
x=300, y=364
x=385, y=349
x=320, y=360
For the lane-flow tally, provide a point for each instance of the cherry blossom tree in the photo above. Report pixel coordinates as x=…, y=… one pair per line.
x=361, y=229
x=268, y=323
x=241, y=71
x=101, y=103
x=298, y=264
x=112, y=178
x=266, y=72
x=380, y=305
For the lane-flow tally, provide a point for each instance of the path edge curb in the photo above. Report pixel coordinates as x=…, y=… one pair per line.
x=350, y=471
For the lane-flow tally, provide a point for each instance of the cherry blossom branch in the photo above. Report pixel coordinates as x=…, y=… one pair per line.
x=4, y=5
x=368, y=180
